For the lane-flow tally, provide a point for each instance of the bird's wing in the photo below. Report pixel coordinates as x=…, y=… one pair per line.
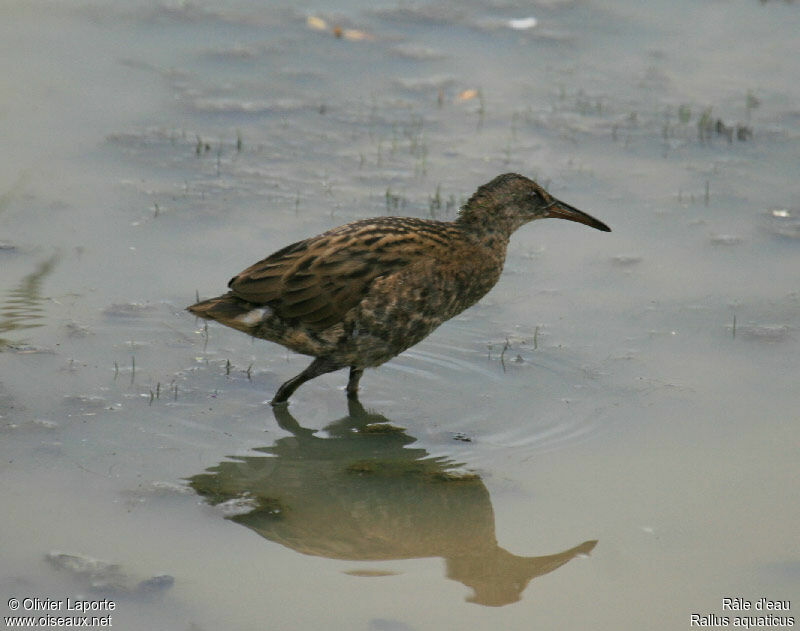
x=318, y=280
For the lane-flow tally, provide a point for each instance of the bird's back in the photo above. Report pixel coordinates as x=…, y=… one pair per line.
x=318, y=280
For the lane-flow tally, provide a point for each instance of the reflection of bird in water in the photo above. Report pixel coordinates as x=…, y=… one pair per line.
x=362, y=494
x=364, y=292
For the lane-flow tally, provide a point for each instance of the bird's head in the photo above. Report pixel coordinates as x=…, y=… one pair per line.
x=511, y=200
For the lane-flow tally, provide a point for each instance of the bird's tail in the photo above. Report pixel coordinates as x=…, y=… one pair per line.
x=225, y=309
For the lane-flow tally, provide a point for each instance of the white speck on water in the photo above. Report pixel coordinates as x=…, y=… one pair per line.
x=521, y=24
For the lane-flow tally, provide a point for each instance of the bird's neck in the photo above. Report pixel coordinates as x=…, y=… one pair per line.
x=489, y=239
x=483, y=227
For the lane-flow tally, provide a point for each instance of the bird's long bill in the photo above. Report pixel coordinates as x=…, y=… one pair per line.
x=560, y=210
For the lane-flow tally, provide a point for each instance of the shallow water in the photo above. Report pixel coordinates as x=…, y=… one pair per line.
x=607, y=440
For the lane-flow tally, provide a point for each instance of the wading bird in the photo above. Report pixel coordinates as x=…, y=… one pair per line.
x=360, y=294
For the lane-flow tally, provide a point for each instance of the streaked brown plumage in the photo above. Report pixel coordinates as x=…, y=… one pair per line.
x=364, y=292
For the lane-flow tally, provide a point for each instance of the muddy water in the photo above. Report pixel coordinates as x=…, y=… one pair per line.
x=608, y=440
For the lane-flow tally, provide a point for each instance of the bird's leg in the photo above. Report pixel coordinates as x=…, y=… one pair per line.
x=352, y=382
x=319, y=366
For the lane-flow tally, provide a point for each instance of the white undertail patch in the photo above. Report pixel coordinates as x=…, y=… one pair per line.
x=254, y=316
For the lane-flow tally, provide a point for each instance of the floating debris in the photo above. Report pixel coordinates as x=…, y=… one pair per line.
x=353, y=35
x=467, y=95
x=316, y=24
